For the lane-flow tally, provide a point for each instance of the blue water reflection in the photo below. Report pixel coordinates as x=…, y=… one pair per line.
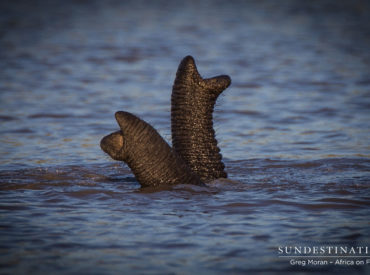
x=293, y=129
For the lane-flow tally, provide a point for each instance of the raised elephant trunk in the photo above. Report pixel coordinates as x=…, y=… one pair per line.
x=195, y=157
x=192, y=104
x=150, y=158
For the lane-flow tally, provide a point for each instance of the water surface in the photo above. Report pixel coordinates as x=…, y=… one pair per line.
x=293, y=129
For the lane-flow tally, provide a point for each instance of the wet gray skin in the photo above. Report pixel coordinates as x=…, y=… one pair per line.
x=192, y=103
x=195, y=157
x=148, y=155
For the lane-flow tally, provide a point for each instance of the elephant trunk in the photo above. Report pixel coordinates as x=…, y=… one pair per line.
x=192, y=104
x=150, y=158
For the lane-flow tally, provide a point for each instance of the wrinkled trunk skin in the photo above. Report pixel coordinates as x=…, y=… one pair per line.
x=148, y=155
x=192, y=103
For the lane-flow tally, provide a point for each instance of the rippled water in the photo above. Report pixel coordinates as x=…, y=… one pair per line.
x=293, y=129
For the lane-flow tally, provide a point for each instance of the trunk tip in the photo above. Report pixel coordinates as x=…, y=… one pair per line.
x=112, y=144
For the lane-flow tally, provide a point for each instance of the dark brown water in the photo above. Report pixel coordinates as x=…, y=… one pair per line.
x=293, y=128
